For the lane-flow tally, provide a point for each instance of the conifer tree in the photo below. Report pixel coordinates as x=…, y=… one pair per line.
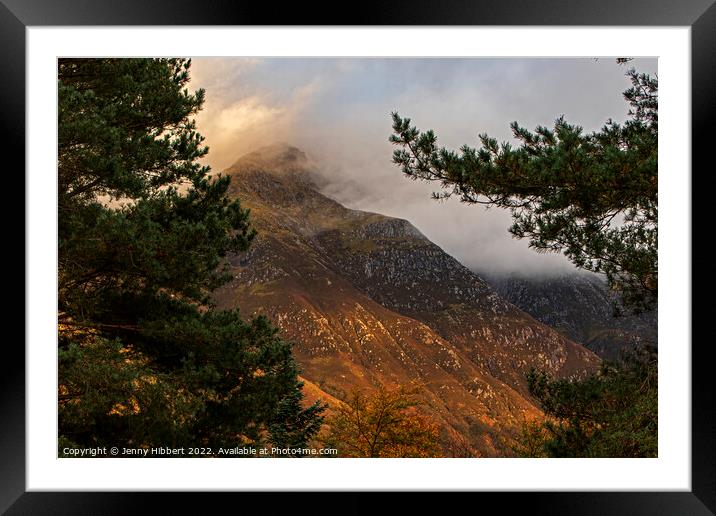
x=591, y=196
x=143, y=228
x=610, y=414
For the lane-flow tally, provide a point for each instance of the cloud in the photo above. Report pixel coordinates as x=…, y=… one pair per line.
x=338, y=111
x=239, y=127
x=237, y=117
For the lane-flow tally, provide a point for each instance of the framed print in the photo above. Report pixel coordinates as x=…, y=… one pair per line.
x=225, y=258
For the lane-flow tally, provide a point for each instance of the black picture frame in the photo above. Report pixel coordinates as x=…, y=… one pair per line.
x=16, y=15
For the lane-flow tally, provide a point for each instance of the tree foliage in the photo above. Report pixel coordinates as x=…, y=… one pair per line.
x=592, y=196
x=143, y=229
x=611, y=414
x=383, y=424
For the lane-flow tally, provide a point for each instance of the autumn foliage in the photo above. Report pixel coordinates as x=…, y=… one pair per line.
x=386, y=423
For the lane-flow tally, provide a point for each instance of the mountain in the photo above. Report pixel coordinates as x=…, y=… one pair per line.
x=580, y=306
x=368, y=300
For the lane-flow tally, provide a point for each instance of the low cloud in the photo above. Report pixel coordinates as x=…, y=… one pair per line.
x=237, y=120
x=338, y=112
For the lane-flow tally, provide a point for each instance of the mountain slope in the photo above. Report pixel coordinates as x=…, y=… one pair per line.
x=580, y=307
x=368, y=300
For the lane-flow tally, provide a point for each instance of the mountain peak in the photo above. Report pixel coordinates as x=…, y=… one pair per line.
x=277, y=158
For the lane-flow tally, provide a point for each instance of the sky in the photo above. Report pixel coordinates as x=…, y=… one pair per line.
x=337, y=110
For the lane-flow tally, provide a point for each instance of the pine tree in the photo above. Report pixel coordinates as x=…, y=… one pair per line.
x=143, y=228
x=611, y=414
x=591, y=196
x=594, y=198
x=294, y=427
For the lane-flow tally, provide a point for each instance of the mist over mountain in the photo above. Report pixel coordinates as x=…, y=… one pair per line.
x=368, y=300
x=338, y=110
